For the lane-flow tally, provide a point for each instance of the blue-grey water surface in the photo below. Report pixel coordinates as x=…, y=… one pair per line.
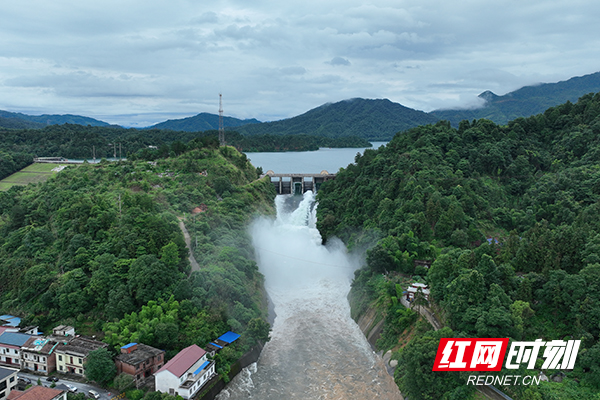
x=307, y=162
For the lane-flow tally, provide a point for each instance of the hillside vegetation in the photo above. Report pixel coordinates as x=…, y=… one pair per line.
x=101, y=243
x=18, y=147
x=202, y=122
x=369, y=119
x=532, y=189
x=524, y=102
x=19, y=120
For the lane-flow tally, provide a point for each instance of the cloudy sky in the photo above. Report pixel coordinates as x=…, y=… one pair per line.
x=139, y=62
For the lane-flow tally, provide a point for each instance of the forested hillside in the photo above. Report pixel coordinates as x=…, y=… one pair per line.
x=18, y=147
x=511, y=216
x=102, y=243
x=11, y=120
x=202, y=122
x=17, y=123
x=368, y=119
x=524, y=102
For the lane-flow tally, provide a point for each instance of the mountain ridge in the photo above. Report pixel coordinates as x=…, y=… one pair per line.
x=373, y=119
x=525, y=101
x=39, y=121
x=201, y=122
x=368, y=118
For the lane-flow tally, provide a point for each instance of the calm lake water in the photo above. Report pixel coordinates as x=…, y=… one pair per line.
x=307, y=162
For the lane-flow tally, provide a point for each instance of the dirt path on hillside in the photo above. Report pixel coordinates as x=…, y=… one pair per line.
x=188, y=244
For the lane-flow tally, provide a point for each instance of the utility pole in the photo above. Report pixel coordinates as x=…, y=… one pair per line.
x=94, y=153
x=221, y=129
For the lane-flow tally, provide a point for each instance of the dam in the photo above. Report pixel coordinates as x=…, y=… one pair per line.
x=292, y=183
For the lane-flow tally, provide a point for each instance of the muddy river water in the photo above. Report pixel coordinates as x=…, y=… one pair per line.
x=316, y=350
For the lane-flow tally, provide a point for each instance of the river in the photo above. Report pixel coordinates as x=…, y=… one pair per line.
x=316, y=350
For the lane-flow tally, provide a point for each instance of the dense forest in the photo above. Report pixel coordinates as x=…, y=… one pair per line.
x=99, y=247
x=202, y=122
x=369, y=119
x=510, y=217
x=18, y=147
x=18, y=120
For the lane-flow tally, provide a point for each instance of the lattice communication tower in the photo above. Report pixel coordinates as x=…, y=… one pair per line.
x=221, y=129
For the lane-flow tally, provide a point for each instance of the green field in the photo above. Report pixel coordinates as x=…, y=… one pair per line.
x=37, y=172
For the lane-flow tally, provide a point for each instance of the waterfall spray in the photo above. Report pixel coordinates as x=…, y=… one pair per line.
x=316, y=350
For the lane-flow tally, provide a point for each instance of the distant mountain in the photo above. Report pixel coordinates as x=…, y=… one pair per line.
x=378, y=119
x=524, y=102
x=369, y=119
x=20, y=121
x=202, y=122
x=17, y=123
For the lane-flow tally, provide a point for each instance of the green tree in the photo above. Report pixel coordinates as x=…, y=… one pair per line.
x=123, y=381
x=259, y=330
x=590, y=362
x=414, y=374
x=100, y=367
x=169, y=254
x=149, y=278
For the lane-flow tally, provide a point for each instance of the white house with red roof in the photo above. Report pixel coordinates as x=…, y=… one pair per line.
x=185, y=373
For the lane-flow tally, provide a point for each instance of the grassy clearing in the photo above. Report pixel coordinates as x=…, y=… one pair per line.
x=34, y=173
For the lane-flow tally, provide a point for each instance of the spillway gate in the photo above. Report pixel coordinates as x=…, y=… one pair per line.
x=298, y=183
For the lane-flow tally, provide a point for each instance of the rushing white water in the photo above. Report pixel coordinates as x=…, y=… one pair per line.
x=316, y=350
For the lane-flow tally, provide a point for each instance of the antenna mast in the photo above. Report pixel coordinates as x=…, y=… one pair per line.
x=221, y=129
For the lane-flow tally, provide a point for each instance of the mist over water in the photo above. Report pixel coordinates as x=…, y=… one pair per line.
x=316, y=350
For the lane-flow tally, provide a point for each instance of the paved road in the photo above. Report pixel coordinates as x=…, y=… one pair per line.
x=492, y=394
x=81, y=387
x=433, y=321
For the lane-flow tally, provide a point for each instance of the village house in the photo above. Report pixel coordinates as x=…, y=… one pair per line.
x=37, y=355
x=139, y=361
x=38, y=393
x=10, y=348
x=186, y=373
x=63, y=330
x=412, y=291
x=8, y=381
x=71, y=355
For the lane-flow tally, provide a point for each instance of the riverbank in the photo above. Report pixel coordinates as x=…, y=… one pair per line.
x=217, y=384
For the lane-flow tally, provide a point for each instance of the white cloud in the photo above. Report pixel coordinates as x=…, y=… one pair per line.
x=150, y=59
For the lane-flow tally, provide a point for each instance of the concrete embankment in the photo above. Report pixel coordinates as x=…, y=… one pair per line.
x=371, y=324
x=214, y=387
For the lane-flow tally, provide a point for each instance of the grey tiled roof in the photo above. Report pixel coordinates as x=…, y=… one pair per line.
x=6, y=372
x=142, y=354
